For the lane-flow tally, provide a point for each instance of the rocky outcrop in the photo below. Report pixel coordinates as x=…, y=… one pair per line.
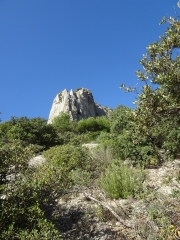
x=79, y=104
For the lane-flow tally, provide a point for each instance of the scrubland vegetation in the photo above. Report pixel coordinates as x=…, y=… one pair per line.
x=130, y=141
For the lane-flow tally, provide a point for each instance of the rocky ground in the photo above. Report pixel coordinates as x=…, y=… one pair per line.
x=86, y=213
x=82, y=218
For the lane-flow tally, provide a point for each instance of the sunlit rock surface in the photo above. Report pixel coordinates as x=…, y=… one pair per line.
x=79, y=104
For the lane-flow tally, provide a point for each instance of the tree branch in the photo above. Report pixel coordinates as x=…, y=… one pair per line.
x=124, y=222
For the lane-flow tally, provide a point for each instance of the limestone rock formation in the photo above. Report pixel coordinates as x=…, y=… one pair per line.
x=79, y=104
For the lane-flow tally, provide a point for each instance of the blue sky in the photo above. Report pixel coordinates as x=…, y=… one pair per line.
x=49, y=45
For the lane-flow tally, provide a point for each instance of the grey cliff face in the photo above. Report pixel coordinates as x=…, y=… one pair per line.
x=79, y=104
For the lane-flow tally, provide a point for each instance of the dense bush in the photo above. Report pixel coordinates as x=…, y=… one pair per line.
x=77, y=164
x=131, y=140
x=102, y=157
x=14, y=158
x=89, y=124
x=157, y=109
x=77, y=139
x=166, y=135
x=93, y=124
x=69, y=160
x=120, y=119
x=63, y=123
x=128, y=139
x=103, y=123
x=119, y=180
x=140, y=150
x=104, y=138
x=31, y=131
x=21, y=211
x=23, y=195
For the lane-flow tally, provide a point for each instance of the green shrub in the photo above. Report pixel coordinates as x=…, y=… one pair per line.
x=63, y=123
x=140, y=149
x=103, y=123
x=157, y=106
x=31, y=131
x=122, y=145
x=14, y=157
x=89, y=124
x=70, y=138
x=103, y=137
x=92, y=136
x=88, y=137
x=120, y=119
x=22, y=215
x=66, y=159
x=24, y=193
x=93, y=124
x=122, y=181
x=166, y=135
x=81, y=177
x=101, y=159
x=77, y=139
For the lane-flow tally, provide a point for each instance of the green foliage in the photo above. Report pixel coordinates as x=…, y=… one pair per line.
x=63, y=123
x=69, y=159
x=14, y=158
x=78, y=89
x=158, y=213
x=94, y=124
x=122, y=181
x=123, y=146
x=175, y=193
x=105, y=139
x=160, y=95
x=91, y=136
x=31, y=131
x=89, y=124
x=155, y=121
x=103, y=123
x=101, y=159
x=21, y=212
x=23, y=193
x=128, y=139
x=77, y=165
x=70, y=138
x=120, y=119
x=77, y=139
x=166, y=135
x=81, y=177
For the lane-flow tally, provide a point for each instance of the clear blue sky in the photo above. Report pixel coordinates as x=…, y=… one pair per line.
x=49, y=45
